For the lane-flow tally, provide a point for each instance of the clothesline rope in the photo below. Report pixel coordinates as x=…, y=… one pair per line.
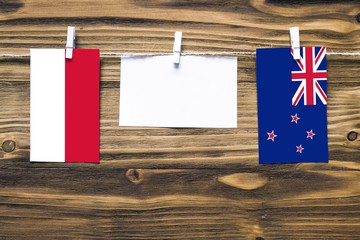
x=128, y=54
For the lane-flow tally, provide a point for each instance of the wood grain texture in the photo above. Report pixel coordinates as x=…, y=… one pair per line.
x=166, y=183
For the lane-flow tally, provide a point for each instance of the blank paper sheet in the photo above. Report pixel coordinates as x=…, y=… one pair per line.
x=200, y=92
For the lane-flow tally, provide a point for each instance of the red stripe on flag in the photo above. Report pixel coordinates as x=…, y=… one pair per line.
x=309, y=76
x=321, y=91
x=319, y=54
x=298, y=97
x=300, y=64
x=82, y=106
x=305, y=75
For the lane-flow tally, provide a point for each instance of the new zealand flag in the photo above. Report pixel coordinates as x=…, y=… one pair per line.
x=292, y=105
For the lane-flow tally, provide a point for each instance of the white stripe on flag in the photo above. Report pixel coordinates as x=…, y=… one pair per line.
x=47, y=105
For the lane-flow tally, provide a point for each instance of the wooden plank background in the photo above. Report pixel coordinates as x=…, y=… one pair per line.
x=179, y=183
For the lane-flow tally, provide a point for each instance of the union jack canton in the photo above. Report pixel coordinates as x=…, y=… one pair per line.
x=309, y=74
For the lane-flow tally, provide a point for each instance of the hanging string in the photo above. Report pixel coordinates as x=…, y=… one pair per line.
x=182, y=53
x=129, y=54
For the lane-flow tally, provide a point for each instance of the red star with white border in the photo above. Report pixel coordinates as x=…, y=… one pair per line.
x=294, y=118
x=271, y=136
x=310, y=134
x=299, y=149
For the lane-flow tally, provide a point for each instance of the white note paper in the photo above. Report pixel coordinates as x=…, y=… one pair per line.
x=200, y=92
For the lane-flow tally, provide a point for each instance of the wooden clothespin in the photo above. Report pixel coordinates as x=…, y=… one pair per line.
x=177, y=47
x=70, y=42
x=295, y=42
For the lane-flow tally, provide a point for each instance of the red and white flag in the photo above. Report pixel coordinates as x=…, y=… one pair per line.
x=64, y=99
